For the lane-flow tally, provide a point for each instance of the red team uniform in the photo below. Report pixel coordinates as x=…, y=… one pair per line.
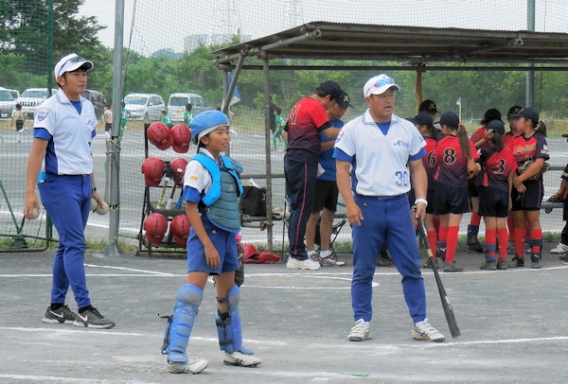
x=451, y=189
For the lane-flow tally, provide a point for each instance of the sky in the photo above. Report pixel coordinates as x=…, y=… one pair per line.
x=165, y=23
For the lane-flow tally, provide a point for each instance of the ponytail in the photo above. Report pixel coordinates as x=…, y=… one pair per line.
x=497, y=142
x=464, y=141
x=540, y=127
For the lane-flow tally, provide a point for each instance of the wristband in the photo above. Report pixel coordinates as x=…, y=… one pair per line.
x=421, y=201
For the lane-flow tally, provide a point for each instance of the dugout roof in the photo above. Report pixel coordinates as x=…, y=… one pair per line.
x=406, y=45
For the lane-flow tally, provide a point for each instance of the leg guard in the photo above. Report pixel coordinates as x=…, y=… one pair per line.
x=180, y=324
x=230, y=332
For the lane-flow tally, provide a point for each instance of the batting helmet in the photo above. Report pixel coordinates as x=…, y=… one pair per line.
x=180, y=229
x=159, y=134
x=207, y=121
x=153, y=169
x=178, y=166
x=181, y=135
x=155, y=226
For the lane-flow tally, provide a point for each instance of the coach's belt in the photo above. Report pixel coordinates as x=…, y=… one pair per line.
x=382, y=197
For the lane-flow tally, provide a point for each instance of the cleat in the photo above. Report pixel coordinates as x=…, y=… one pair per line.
x=424, y=331
x=240, y=359
x=427, y=263
x=502, y=264
x=452, y=267
x=361, y=331
x=516, y=262
x=62, y=315
x=194, y=365
x=560, y=249
x=330, y=262
x=490, y=265
x=92, y=318
x=308, y=264
x=535, y=262
x=475, y=247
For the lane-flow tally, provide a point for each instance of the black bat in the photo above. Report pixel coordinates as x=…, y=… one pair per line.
x=448, y=310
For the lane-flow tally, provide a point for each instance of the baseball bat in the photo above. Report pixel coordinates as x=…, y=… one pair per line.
x=161, y=199
x=171, y=204
x=446, y=304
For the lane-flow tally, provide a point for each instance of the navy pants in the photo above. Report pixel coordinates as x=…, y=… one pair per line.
x=67, y=200
x=301, y=187
x=386, y=222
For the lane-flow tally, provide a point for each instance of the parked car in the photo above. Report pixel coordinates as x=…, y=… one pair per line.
x=31, y=98
x=144, y=106
x=98, y=100
x=8, y=99
x=178, y=101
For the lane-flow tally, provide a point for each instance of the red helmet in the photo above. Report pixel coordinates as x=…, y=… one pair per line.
x=153, y=169
x=178, y=165
x=155, y=226
x=181, y=135
x=180, y=229
x=159, y=134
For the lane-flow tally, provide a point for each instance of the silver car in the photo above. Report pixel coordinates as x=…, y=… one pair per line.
x=8, y=99
x=144, y=106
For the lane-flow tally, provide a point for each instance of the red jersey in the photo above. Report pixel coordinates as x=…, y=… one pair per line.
x=452, y=165
x=479, y=135
x=304, y=141
x=496, y=167
x=429, y=161
x=529, y=148
x=507, y=137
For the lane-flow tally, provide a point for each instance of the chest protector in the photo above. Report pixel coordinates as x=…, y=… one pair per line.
x=221, y=204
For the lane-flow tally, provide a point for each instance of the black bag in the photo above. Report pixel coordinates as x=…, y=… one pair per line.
x=253, y=201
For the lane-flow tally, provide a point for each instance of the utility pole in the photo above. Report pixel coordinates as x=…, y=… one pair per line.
x=529, y=97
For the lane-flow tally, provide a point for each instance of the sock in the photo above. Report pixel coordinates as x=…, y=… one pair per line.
x=502, y=240
x=519, y=241
x=475, y=219
x=536, y=236
x=490, y=243
x=56, y=306
x=81, y=310
x=452, y=243
x=432, y=240
x=326, y=253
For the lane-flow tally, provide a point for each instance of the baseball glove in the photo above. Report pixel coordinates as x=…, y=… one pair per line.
x=526, y=165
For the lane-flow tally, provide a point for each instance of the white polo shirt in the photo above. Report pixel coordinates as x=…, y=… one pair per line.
x=69, y=134
x=379, y=161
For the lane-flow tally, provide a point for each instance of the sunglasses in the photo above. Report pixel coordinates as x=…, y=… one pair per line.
x=384, y=81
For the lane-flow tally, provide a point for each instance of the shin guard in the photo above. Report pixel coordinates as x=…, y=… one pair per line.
x=180, y=324
x=230, y=330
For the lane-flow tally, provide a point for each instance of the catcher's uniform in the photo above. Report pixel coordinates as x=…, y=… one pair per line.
x=528, y=148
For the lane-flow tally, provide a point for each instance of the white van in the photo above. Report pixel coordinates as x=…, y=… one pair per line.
x=178, y=101
x=31, y=98
x=144, y=106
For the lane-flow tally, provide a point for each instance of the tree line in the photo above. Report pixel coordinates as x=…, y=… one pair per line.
x=24, y=64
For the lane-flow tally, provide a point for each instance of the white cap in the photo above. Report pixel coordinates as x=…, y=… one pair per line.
x=378, y=85
x=71, y=63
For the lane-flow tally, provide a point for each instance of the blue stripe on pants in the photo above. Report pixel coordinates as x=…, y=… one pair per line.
x=386, y=221
x=67, y=200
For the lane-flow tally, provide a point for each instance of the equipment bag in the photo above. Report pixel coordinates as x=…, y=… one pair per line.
x=253, y=201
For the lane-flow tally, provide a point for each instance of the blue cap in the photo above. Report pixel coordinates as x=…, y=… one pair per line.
x=206, y=122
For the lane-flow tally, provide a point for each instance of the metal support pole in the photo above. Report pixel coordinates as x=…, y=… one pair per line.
x=530, y=73
x=113, y=146
x=267, y=153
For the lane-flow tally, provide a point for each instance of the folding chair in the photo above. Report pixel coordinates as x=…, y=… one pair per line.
x=338, y=224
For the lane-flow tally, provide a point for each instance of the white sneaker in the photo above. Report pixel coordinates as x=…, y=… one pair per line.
x=294, y=263
x=361, y=331
x=561, y=249
x=313, y=255
x=330, y=262
x=424, y=331
x=241, y=360
x=194, y=365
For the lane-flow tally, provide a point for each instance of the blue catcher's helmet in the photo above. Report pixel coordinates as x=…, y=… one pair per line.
x=201, y=124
